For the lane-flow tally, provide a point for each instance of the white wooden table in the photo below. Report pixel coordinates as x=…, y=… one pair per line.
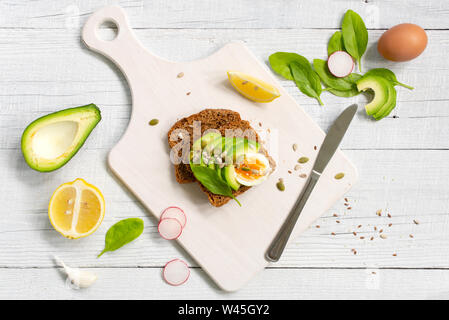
x=403, y=160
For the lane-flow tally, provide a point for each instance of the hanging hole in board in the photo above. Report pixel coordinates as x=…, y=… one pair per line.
x=107, y=31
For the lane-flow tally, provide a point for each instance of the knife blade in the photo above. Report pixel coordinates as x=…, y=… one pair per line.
x=327, y=150
x=333, y=138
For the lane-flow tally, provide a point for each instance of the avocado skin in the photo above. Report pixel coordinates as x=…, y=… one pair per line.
x=229, y=175
x=65, y=112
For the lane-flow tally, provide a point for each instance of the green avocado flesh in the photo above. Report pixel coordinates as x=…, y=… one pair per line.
x=384, y=99
x=229, y=175
x=389, y=105
x=205, y=140
x=380, y=87
x=213, y=144
x=51, y=141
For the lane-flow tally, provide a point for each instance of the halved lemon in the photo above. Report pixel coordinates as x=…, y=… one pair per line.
x=253, y=88
x=76, y=209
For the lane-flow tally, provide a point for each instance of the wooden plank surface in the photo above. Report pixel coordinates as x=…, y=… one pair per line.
x=403, y=161
x=272, y=284
x=180, y=14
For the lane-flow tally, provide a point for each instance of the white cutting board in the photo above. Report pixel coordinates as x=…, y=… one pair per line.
x=227, y=242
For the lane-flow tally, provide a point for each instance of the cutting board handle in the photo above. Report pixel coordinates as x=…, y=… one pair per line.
x=124, y=48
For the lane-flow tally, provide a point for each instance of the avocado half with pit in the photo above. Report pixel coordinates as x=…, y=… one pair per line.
x=51, y=141
x=384, y=95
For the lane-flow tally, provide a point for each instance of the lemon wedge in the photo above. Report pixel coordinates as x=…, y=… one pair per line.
x=76, y=209
x=253, y=88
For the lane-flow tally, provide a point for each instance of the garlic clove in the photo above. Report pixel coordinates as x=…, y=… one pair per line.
x=77, y=278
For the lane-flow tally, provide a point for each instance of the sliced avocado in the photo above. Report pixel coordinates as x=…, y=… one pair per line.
x=213, y=145
x=252, y=143
x=202, y=142
x=229, y=145
x=211, y=165
x=51, y=141
x=381, y=88
x=219, y=171
x=391, y=103
x=244, y=147
x=229, y=175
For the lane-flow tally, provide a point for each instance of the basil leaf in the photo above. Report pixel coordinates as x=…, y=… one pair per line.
x=335, y=43
x=355, y=35
x=210, y=179
x=306, y=79
x=121, y=233
x=280, y=63
x=389, y=75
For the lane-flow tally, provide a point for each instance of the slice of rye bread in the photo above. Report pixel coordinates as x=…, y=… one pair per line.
x=219, y=119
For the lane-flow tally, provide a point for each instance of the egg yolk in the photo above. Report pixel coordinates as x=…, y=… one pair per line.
x=250, y=170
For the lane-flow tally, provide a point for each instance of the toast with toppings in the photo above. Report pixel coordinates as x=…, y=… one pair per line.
x=218, y=119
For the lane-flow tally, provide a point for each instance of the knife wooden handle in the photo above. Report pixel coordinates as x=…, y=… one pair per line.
x=278, y=244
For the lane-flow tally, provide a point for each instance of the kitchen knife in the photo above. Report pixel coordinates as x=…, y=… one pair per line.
x=327, y=150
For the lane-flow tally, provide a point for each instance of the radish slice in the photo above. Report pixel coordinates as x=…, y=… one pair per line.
x=175, y=213
x=176, y=272
x=340, y=64
x=169, y=228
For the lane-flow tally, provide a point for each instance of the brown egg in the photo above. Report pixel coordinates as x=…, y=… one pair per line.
x=402, y=42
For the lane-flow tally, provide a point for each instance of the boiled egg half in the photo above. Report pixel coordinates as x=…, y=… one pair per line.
x=252, y=169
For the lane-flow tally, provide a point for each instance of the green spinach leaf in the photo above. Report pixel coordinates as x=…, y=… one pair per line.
x=355, y=35
x=280, y=63
x=210, y=179
x=344, y=93
x=335, y=43
x=306, y=79
x=328, y=79
x=342, y=87
x=389, y=75
x=121, y=233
